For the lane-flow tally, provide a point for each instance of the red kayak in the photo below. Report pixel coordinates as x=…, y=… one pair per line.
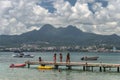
x=17, y=65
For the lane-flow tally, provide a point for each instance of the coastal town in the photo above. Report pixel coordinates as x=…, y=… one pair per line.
x=76, y=48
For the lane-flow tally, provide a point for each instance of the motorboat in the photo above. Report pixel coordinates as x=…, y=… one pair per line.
x=22, y=55
x=17, y=65
x=89, y=58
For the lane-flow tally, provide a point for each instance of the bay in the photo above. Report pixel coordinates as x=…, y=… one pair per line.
x=76, y=73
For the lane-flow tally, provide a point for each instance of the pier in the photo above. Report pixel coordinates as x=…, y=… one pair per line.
x=86, y=65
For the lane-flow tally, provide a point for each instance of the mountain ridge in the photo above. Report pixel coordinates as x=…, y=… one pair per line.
x=70, y=35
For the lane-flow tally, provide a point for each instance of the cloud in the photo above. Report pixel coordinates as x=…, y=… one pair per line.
x=4, y=6
x=95, y=16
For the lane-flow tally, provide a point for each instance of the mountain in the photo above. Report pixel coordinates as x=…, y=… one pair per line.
x=49, y=35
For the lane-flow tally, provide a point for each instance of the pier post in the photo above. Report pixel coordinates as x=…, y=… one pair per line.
x=86, y=66
x=83, y=68
x=56, y=66
x=92, y=68
x=104, y=69
x=28, y=65
x=118, y=69
x=69, y=67
x=100, y=69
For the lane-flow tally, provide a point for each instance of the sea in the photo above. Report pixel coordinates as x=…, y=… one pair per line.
x=76, y=73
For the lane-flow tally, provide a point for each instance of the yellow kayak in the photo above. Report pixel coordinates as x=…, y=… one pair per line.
x=45, y=67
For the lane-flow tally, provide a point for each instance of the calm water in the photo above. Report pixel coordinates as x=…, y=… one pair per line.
x=33, y=73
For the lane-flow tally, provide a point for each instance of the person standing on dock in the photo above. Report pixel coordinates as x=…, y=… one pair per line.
x=54, y=58
x=68, y=58
x=60, y=57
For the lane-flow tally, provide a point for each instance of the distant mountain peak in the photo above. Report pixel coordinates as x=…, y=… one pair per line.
x=73, y=28
x=114, y=35
x=47, y=26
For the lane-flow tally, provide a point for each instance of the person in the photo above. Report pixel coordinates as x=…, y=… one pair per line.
x=68, y=57
x=54, y=58
x=12, y=65
x=60, y=57
x=40, y=59
x=59, y=70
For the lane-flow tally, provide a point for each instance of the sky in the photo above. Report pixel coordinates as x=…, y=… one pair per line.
x=94, y=16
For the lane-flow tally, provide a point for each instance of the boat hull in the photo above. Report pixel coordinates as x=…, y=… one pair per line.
x=23, y=56
x=17, y=65
x=89, y=58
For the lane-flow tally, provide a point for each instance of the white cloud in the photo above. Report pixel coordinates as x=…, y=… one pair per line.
x=19, y=16
x=39, y=10
x=4, y=6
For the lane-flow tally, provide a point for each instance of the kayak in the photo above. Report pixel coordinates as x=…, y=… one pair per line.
x=45, y=67
x=17, y=65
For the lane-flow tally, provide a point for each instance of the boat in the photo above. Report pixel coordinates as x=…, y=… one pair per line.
x=89, y=58
x=22, y=55
x=45, y=67
x=17, y=65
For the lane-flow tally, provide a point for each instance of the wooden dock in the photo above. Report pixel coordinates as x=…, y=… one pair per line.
x=86, y=66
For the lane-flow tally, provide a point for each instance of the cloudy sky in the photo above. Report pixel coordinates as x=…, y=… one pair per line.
x=97, y=16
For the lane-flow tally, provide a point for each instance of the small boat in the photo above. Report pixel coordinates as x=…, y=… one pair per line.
x=89, y=58
x=45, y=67
x=17, y=65
x=22, y=55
